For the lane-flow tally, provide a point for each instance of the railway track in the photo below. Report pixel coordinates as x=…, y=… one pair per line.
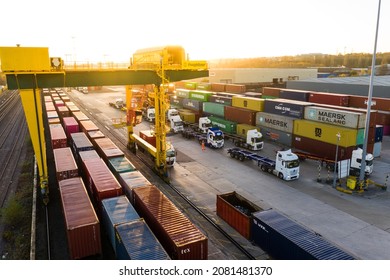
x=173, y=192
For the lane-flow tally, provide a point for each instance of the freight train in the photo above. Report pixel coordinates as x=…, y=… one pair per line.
x=94, y=175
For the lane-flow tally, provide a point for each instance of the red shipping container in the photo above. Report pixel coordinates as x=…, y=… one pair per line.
x=107, y=149
x=95, y=134
x=271, y=91
x=148, y=137
x=377, y=103
x=240, y=115
x=50, y=106
x=70, y=126
x=177, y=234
x=218, y=87
x=100, y=181
x=88, y=125
x=329, y=98
x=82, y=224
x=65, y=163
x=383, y=118
x=235, y=88
x=57, y=136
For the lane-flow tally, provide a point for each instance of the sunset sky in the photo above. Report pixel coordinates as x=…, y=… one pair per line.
x=112, y=30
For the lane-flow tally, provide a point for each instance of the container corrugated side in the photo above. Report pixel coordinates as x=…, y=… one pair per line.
x=116, y=211
x=251, y=103
x=81, y=221
x=275, y=121
x=327, y=133
x=65, y=164
x=285, y=239
x=107, y=148
x=271, y=91
x=224, y=125
x=58, y=136
x=218, y=87
x=278, y=136
x=181, y=239
x=240, y=115
x=70, y=126
x=135, y=241
x=183, y=93
x=286, y=107
x=294, y=94
x=235, y=88
x=201, y=95
x=131, y=180
x=193, y=104
x=329, y=98
x=176, y=102
x=80, y=142
x=335, y=117
x=215, y=109
x=101, y=182
x=377, y=103
x=321, y=149
x=236, y=211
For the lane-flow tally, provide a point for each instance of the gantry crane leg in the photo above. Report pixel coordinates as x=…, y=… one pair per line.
x=32, y=106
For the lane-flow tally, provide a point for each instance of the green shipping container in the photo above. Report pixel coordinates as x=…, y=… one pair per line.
x=224, y=125
x=190, y=85
x=201, y=95
x=252, y=103
x=183, y=93
x=214, y=109
x=243, y=128
x=203, y=86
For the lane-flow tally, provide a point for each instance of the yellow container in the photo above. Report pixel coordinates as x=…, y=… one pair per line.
x=242, y=129
x=251, y=103
x=326, y=133
x=187, y=116
x=351, y=183
x=24, y=59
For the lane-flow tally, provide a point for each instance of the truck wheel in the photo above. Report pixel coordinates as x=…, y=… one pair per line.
x=241, y=157
x=280, y=175
x=236, y=143
x=232, y=155
x=263, y=168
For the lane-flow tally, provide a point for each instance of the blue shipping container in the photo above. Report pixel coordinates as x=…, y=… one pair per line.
x=116, y=211
x=285, y=239
x=135, y=241
x=131, y=180
x=120, y=165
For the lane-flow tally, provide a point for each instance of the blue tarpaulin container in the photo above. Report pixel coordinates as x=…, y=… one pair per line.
x=116, y=211
x=284, y=239
x=135, y=241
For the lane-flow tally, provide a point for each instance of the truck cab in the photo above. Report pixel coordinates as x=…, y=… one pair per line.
x=149, y=114
x=204, y=124
x=287, y=165
x=254, y=140
x=356, y=162
x=170, y=155
x=215, y=137
x=175, y=122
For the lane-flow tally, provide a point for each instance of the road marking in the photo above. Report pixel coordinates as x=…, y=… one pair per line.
x=107, y=127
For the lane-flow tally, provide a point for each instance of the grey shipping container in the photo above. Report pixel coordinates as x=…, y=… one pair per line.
x=275, y=121
x=278, y=136
x=193, y=104
x=284, y=239
x=335, y=117
x=116, y=211
x=293, y=94
x=285, y=107
x=225, y=100
x=176, y=102
x=236, y=210
x=181, y=239
x=135, y=241
x=80, y=142
x=81, y=222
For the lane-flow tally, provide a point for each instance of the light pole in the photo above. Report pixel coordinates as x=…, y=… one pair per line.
x=335, y=166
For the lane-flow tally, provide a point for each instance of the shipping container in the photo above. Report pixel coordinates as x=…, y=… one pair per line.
x=52, y=115
x=183, y=93
x=274, y=135
x=275, y=121
x=335, y=117
x=95, y=134
x=80, y=142
x=87, y=126
x=336, y=99
x=189, y=116
x=242, y=129
x=377, y=103
x=386, y=130
x=253, y=94
x=116, y=211
x=224, y=125
x=63, y=112
x=235, y=88
x=285, y=239
x=191, y=104
x=250, y=103
x=215, y=109
x=120, y=164
x=85, y=155
x=54, y=121
x=284, y=107
x=81, y=222
x=322, y=149
x=200, y=95
x=294, y=94
x=131, y=180
x=47, y=98
x=190, y=85
x=58, y=136
x=50, y=106
x=176, y=102
x=65, y=164
x=224, y=100
x=383, y=118
x=107, y=149
x=58, y=103
x=80, y=116
x=181, y=239
x=218, y=87
x=203, y=86
x=135, y=241
x=240, y=115
x=70, y=126
x=73, y=109
x=100, y=181
x=327, y=133
x=271, y=91
x=237, y=211
x=148, y=137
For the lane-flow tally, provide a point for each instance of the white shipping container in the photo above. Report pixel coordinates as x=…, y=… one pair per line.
x=335, y=117
x=275, y=121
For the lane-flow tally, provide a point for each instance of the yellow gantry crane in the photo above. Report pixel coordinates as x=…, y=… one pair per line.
x=29, y=69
